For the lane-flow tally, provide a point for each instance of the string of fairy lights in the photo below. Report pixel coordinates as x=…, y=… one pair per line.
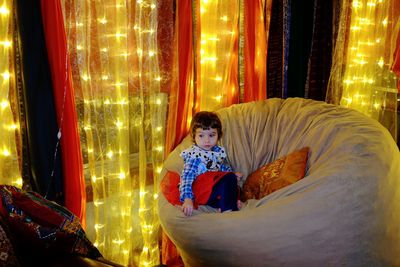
x=216, y=53
x=116, y=121
x=368, y=80
x=9, y=127
x=120, y=84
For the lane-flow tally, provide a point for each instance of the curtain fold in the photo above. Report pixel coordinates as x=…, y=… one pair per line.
x=255, y=51
x=38, y=102
x=74, y=183
x=361, y=77
x=11, y=140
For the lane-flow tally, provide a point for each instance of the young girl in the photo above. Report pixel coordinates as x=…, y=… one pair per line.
x=207, y=177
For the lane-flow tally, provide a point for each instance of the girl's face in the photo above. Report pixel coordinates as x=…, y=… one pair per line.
x=206, y=139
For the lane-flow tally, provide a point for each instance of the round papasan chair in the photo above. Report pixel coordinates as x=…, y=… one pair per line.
x=344, y=212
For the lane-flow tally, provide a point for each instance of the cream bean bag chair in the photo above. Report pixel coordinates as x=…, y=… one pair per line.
x=344, y=212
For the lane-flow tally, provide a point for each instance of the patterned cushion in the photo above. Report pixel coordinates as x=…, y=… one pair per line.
x=43, y=226
x=276, y=175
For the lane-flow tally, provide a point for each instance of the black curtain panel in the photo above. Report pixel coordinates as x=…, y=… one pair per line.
x=40, y=113
x=300, y=48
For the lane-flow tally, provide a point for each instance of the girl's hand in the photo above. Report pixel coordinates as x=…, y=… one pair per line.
x=187, y=207
x=239, y=176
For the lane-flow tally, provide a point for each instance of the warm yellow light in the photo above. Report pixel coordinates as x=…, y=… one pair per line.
x=98, y=203
x=110, y=154
x=4, y=10
x=224, y=18
x=381, y=62
x=98, y=226
x=385, y=22
x=118, y=241
x=218, y=78
x=18, y=182
x=151, y=53
x=4, y=104
x=85, y=77
x=103, y=20
x=119, y=124
x=5, y=152
x=6, y=75
x=121, y=175
x=6, y=44
x=79, y=47
x=356, y=4
x=355, y=28
x=218, y=98
x=12, y=127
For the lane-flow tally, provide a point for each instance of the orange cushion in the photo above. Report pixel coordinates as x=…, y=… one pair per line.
x=276, y=175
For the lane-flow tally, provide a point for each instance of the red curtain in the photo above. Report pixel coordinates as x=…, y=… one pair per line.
x=74, y=182
x=254, y=51
x=180, y=103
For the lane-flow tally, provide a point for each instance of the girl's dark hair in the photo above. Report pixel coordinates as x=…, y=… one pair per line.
x=205, y=120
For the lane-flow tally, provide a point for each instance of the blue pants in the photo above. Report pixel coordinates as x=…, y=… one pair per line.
x=224, y=194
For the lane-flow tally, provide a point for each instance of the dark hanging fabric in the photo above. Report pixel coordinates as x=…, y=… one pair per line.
x=287, y=33
x=18, y=109
x=38, y=97
x=274, y=51
x=320, y=60
x=300, y=33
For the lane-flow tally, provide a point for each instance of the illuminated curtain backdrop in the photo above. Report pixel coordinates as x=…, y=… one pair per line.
x=114, y=58
x=9, y=164
x=361, y=78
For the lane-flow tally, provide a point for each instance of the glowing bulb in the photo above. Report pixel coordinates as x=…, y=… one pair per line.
x=110, y=154
x=4, y=10
x=118, y=241
x=103, y=21
x=6, y=44
x=6, y=152
x=6, y=75
x=85, y=77
x=4, y=104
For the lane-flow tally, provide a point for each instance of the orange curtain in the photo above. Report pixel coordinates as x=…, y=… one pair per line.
x=255, y=51
x=395, y=62
x=74, y=183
